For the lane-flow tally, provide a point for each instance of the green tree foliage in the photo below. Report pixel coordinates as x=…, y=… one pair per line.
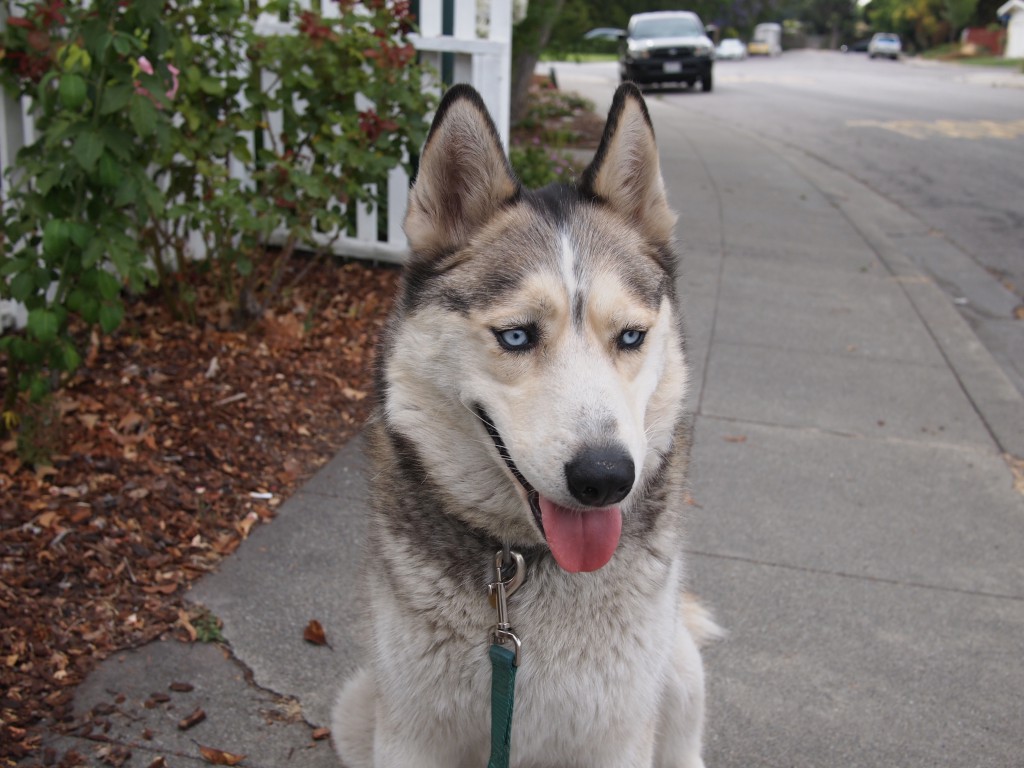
x=833, y=18
x=922, y=23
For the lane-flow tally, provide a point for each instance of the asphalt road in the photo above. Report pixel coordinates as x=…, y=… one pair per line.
x=944, y=142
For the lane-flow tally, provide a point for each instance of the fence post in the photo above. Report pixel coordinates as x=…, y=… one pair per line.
x=12, y=134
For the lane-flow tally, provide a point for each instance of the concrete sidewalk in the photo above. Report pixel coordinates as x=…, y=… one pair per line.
x=856, y=526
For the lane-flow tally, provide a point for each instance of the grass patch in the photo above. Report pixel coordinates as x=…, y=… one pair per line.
x=952, y=52
x=992, y=61
x=208, y=627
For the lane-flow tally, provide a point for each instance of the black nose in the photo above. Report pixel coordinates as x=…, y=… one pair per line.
x=600, y=477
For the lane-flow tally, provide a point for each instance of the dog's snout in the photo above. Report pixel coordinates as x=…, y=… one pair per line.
x=600, y=477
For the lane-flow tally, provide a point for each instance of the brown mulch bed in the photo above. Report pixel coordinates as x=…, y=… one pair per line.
x=168, y=447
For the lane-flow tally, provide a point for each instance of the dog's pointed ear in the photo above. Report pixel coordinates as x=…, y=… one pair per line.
x=625, y=172
x=464, y=176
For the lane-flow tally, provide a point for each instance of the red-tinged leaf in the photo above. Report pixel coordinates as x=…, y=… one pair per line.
x=314, y=633
x=39, y=40
x=219, y=756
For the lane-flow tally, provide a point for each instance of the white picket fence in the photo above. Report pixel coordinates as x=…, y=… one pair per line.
x=480, y=44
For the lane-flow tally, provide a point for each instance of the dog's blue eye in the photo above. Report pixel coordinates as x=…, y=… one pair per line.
x=515, y=339
x=631, y=338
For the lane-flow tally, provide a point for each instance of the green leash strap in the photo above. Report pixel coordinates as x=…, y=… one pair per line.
x=504, y=660
x=503, y=694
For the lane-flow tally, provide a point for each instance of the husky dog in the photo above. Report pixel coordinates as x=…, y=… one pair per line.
x=530, y=384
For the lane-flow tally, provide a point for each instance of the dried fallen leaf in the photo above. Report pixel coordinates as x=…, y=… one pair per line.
x=319, y=734
x=353, y=394
x=194, y=719
x=81, y=514
x=44, y=471
x=1016, y=466
x=193, y=635
x=89, y=420
x=1018, y=312
x=213, y=369
x=219, y=756
x=130, y=422
x=314, y=633
x=181, y=687
x=245, y=525
x=735, y=438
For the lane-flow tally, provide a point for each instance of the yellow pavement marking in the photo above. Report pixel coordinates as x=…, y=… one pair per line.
x=950, y=129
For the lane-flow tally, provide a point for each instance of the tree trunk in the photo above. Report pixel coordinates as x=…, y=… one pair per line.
x=529, y=38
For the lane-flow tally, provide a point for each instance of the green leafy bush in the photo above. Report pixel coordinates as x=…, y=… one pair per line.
x=79, y=191
x=537, y=166
x=314, y=150
x=161, y=122
x=540, y=138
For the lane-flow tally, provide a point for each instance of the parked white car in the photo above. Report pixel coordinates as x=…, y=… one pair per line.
x=885, y=44
x=731, y=48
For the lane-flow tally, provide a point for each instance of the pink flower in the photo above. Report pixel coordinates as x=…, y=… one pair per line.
x=146, y=67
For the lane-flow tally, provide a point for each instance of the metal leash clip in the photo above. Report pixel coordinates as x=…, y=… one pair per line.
x=499, y=592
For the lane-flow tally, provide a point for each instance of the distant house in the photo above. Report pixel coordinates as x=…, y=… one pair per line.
x=1014, y=28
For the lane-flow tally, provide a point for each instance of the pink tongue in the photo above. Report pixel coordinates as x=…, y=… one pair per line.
x=581, y=540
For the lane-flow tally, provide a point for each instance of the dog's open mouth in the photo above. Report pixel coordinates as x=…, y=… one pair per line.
x=580, y=539
x=531, y=494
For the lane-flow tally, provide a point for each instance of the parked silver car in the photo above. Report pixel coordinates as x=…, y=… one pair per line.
x=885, y=44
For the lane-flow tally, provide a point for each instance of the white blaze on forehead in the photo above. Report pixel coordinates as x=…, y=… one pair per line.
x=567, y=263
